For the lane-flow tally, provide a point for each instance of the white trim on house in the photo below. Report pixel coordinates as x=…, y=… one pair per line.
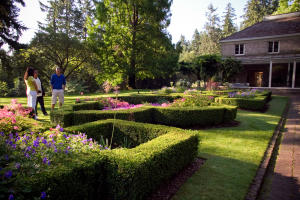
x=260, y=38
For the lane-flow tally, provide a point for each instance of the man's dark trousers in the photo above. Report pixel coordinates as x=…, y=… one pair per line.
x=40, y=99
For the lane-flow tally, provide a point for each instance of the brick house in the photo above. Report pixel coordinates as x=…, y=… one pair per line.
x=272, y=45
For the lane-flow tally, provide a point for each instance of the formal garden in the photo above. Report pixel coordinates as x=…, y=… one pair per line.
x=125, y=145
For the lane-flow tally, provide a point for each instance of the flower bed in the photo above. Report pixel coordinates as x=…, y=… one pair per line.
x=39, y=164
x=59, y=164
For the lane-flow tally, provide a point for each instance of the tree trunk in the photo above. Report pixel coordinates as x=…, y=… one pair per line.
x=131, y=81
x=132, y=70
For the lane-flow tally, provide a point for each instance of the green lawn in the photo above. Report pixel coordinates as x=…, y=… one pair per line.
x=233, y=154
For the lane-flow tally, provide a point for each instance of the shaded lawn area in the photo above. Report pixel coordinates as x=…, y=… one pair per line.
x=233, y=155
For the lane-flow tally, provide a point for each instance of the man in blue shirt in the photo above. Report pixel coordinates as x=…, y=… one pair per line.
x=58, y=84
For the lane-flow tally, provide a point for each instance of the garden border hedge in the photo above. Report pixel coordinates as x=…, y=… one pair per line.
x=119, y=173
x=255, y=103
x=179, y=117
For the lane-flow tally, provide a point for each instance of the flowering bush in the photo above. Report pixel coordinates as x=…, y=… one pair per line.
x=9, y=116
x=193, y=100
x=18, y=109
x=32, y=153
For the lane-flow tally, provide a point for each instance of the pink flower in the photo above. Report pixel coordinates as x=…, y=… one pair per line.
x=16, y=127
x=81, y=93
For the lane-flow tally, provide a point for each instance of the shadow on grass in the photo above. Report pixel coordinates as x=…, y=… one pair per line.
x=219, y=178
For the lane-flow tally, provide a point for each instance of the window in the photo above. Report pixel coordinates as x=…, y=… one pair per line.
x=273, y=47
x=239, y=49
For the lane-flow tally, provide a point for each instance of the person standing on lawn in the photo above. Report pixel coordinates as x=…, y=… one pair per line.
x=58, y=84
x=40, y=94
x=31, y=89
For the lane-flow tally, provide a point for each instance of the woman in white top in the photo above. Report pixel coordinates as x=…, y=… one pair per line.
x=31, y=88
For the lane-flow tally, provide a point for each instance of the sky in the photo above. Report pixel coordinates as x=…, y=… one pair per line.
x=187, y=15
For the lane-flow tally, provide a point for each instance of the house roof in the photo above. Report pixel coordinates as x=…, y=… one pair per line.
x=271, y=26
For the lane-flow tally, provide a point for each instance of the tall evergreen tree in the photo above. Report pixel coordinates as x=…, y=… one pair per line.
x=134, y=37
x=288, y=6
x=228, y=24
x=67, y=17
x=10, y=28
x=256, y=10
x=196, y=42
x=213, y=33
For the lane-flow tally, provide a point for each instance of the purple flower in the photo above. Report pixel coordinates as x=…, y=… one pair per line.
x=36, y=143
x=18, y=165
x=45, y=160
x=58, y=127
x=27, y=155
x=11, y=197
x=43, y=195
x=44, y=141
x=8, y=174
x=49, y=162
x=1, y=133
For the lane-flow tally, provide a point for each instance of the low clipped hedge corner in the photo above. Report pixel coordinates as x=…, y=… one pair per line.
x=134, y=173
x=179, y=117
x=64, y=117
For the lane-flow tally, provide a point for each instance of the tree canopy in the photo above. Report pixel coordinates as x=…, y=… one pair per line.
x=288, y=6
x=10, y=28
x=134, y=42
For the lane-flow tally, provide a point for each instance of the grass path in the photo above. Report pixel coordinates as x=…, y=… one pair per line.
x=233, y=156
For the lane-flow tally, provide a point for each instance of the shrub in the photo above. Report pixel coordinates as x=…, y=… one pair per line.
x=137, y=133
x=61, y=166
x=135, y=173
x=189, y=116
x=139, y=99
x=255, y=103
x=4, y=90
x=58, y=170
x=173, y=116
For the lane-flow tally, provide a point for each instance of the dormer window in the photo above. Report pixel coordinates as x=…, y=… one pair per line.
x=239, y=49
x=273, y=47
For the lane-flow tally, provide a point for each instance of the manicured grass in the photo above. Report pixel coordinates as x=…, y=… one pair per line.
x=233, y=155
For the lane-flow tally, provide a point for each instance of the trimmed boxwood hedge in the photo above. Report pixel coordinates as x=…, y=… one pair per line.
x=119, y=173
x=137, y=133
x=256, y=103
x=135, y=173
x=178, y=117
x=142, y=98
x=65, y=116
